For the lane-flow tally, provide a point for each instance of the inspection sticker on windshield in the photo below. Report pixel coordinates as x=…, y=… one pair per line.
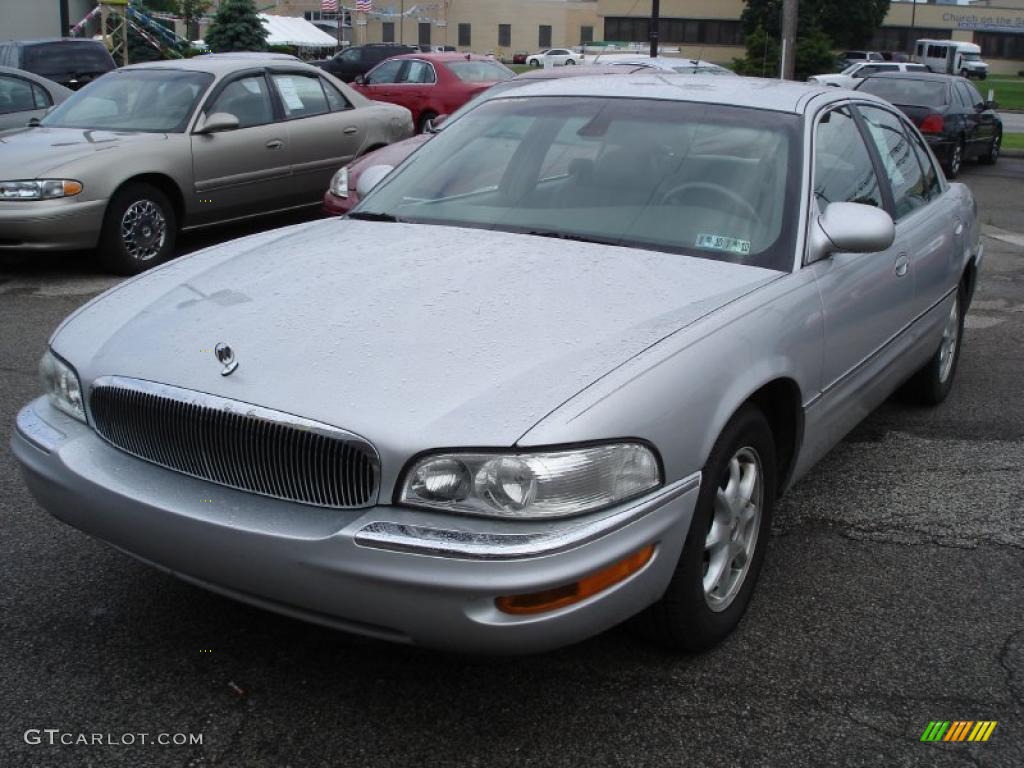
x=720, y=243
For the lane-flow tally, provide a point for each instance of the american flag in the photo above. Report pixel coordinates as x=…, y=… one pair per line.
x=364, y=6
x=329, y=6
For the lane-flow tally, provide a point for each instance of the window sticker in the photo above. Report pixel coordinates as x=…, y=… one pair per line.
x=722, y=243
x=289, y=93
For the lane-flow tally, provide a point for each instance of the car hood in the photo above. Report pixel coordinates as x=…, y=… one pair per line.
x=392, y=154
x=30, y=153
x=410, y=335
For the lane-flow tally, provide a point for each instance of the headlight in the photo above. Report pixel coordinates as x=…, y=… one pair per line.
x=44, y=189
x=532, y=485
x=61, y=383
x=339, y=184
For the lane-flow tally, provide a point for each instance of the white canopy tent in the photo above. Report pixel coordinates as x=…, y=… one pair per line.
x=289, y=30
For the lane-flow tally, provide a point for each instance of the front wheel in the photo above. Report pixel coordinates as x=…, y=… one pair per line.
x=725, y=546
x=569, y=61
x=534, y=62
x=139, y=230
x=956, y=160
x=425, y=119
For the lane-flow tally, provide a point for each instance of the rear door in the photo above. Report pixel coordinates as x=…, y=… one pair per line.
x=982, y=118
x=20, y=101
x=245, y=171
x=326, y=131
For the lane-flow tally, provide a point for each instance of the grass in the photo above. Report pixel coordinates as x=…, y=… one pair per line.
x=520, y=68
x=1013, y=141
x=1009, y=90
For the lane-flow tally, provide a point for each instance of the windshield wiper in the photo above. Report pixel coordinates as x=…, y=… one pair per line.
x=571, y=236
x=374, y=216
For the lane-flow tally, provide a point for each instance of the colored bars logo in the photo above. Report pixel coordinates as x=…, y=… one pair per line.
x=958, y=730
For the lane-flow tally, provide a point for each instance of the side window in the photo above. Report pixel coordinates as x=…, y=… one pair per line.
x=963, y=96
x=302, y=95
x=973, y=94
x=418, y=72
x=42, y=98
x=247, y=99
x=335, y=98
x=932, y=185
x=909, y=189
x=15, y=95
x=384, y=74
x=843, y=172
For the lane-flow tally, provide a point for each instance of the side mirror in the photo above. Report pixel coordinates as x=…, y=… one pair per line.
x=359, y=80
x=990, y=104
x=851, y=228
x=218, y=122
x=434, y=124
x=371, y=177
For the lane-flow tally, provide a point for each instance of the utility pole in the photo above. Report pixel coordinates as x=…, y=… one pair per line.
x=913, y=23
x=65, y=19
x=789, y=16
x=655, y=16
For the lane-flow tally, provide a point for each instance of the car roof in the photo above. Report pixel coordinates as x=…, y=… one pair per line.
x=43, y=81
x=558, y=73
x=754, y=92
x=916, y=74
x=224, y=64
x=445, y=56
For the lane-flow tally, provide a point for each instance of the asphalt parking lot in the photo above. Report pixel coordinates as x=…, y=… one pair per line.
x=893, y=595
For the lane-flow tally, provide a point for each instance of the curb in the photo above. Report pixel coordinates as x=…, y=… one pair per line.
x=1011, y=152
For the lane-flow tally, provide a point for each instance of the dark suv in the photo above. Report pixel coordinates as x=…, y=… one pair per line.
x=360, y=59
x=69, y=61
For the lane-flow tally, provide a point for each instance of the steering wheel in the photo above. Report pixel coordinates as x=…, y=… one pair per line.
x=674, y=195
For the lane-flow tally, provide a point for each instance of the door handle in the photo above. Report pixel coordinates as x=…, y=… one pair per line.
x=959, y=228
x=902, y=265
x=350, y=130
x=275, y=144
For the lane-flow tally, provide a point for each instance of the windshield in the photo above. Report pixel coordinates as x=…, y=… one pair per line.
x=67, y=58
x=479, y=71
x=971, y=56
x=922, y=93
x=699, y=179
x=154, y=100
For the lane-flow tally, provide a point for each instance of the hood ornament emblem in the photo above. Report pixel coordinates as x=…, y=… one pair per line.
x=226, y=357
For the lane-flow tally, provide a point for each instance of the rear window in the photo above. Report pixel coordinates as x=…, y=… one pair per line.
x=923, y=93
x=479, y=71
x=67, y=58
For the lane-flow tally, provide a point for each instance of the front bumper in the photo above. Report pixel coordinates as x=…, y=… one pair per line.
x=388, y=572
x=51, y=225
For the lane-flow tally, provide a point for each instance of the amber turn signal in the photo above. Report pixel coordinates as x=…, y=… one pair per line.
x=559, y=597
x=72, y=188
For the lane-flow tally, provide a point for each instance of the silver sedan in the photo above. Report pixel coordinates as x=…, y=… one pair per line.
x=25, y=96
x=553, y=371
x=152, y=149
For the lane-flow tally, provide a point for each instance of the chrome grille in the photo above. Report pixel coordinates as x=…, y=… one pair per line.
x=236, y=444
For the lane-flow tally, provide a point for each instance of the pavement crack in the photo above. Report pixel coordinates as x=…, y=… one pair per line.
x=1014, y=672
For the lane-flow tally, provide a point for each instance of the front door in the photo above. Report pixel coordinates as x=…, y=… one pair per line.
x=245, y=171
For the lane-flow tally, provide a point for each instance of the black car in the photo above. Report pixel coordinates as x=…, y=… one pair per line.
x=953, y=116
x=360, y=59
x=70, y=61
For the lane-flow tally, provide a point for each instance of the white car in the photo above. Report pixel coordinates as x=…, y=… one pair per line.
x=848, y=77
x=667, y=63
x=556, y=57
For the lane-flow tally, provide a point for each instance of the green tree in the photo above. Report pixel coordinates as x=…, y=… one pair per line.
x=191, y=11
x=236, y=27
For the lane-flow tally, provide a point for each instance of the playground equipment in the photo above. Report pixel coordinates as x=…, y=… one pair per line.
x=118, y=16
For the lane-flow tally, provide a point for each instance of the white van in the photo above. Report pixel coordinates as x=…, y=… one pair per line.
x=951, y=57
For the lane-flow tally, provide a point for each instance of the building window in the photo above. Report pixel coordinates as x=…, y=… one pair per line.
x=544, y=36
x=388, y=32
x=465, y=34
x=1000, y=45
x=586, y=35
x=704, y=31
x=424, y=32
x=903, y=38
x=504, y=35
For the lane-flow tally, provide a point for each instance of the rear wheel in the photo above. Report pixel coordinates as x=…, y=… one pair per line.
x=569, y=61
x=990, y=157
x=534, y=62
x=725, y=546
x=932, y=384
x=139, y=230
x=425, y=118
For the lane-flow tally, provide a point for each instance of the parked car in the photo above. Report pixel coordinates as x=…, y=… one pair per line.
x=151, y=149
x=666, y=63
x=72, y=62
x=431, y=84
x=846, y=58
x=24, y=96
x=958, y=122
x=848, y=77
x=360, y=59
x=519, y=57
x=555, y=57
x=343, y=193
x=951, y=57
x=507, y=417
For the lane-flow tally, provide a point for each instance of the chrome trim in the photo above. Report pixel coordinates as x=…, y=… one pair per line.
x=480, y=545
x=30, y=425
x=238, y=444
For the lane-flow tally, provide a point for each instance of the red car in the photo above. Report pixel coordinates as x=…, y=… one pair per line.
x=342, y=197
x=431, y=84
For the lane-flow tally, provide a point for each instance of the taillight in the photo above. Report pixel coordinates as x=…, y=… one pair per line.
x=932, y=124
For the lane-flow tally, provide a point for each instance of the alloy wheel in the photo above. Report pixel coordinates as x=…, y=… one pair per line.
x=735, y=522
x=957, y=160
x=950, y=340
x=143, y=230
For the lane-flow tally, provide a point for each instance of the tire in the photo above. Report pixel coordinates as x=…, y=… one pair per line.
x=956, y=160
x=688, y=617
x=990, y=157
x=533, y=63
x=933, y=383
x=424, y=117
x=143, y=211
x=569, y=61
